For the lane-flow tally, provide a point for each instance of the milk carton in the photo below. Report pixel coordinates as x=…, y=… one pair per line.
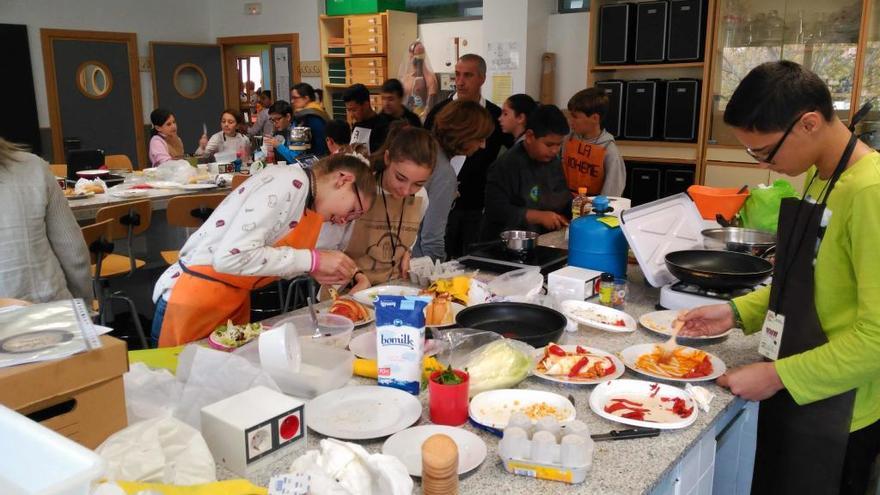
x=400, y=338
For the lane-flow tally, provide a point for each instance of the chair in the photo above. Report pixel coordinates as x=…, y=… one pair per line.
x=189, y=212
x=59, y=169
x=129, y=220
x=97, y=237
x=118, y=162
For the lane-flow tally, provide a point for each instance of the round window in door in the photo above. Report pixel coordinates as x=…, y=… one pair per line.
x=190, y=81
x=93, y=79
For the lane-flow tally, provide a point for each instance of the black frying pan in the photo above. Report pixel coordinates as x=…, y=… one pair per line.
x=535, y=325
x=718, y=269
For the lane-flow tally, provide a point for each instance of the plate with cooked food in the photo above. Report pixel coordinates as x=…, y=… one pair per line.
x=494, y=407
x=661, y=322
x=440, y=313
x=369, y=296
x=684, y=364
x=230, y=336
x=644, y=404
x=598, y=316
x=356, y=312
x=577, y=365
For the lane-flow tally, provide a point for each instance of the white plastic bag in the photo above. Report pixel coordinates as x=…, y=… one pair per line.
x=342, y=468
x=160, y=450
x=150, y=393
x=179, y=171
x=519, y=285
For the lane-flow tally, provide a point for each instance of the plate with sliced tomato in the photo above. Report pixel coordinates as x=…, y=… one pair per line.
x=644, y=404
x=577, y=365
x=598, y=316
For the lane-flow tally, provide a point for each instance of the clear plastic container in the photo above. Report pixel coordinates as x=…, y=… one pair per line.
x=566, y=454
x=322, y=369
x=335, y=330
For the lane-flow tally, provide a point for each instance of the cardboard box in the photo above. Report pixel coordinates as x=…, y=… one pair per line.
x=81, y=397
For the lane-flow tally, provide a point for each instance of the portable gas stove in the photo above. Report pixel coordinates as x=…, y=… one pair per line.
x=680, y=295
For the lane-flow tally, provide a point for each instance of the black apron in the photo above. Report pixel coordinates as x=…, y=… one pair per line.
x=801, y=449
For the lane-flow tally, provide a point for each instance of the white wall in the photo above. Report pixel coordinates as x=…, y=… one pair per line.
x=227, y=18
x=568, y=37
x=152, y=20
x=437, y=38
x=538, y=19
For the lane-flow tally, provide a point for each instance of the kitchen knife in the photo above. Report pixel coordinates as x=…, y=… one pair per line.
x=626, y=434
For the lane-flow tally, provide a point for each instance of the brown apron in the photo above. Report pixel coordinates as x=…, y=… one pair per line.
x=584, y=166
x=384, y=234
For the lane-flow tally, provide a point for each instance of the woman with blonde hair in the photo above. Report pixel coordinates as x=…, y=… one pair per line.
x=461, y=129
x=43, y=256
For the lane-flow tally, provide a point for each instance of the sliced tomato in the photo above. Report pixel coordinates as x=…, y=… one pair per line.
x=702, y=369
x=610, y=408
x=625, y=401
x=620, y=323
x=578, y=366
x=580, y=350
x=556, y=350
x=654, y=389
x=637, y=415
x=611, y=368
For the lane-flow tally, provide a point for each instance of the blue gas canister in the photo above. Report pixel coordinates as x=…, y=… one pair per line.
x=595, y=245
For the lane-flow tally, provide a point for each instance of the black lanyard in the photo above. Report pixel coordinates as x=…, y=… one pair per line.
x=388, y=222
x=821, y=200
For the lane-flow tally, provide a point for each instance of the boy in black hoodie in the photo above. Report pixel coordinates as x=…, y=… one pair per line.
x=526, y=188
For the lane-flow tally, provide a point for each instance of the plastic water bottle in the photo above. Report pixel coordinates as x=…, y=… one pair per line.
x=579, y=203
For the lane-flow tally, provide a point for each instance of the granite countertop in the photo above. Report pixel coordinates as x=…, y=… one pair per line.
x=619, y=467
x=87, y=208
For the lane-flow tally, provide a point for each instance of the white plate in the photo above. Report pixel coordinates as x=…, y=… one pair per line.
x=618, y=364
x=92, y=173
x=493, y=408
x=164, y=184
x=363, y=345
x=129, y=193
x=661, y=322
x=605, y=391
x=406, y=445
x=456, y=308
x=631, y=354
x=368, y=296
x=195, y=187
x=362, y=412
x=597, y=316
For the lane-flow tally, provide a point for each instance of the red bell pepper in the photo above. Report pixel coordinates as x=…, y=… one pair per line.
x=556, y=350
x=578, y=366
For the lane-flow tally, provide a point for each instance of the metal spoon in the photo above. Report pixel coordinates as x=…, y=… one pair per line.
x=312, y=312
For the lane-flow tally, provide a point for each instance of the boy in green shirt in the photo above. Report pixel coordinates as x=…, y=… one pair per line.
x=783, y=114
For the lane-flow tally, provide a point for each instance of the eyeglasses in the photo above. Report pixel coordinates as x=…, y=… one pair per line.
x=354, y=215
x=769, y=157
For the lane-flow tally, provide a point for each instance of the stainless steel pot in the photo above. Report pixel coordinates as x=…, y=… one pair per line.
x=519, y=241
x=749, y=241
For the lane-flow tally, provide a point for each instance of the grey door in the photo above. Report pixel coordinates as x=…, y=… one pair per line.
x=93, y=94
x=188, y=81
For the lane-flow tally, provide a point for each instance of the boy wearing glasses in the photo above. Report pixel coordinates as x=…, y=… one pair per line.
x=819, y=322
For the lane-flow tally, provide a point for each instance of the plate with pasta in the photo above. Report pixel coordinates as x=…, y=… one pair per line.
x=684, y=364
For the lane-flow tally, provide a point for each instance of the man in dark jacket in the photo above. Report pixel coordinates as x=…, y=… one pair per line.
x=462, y=229
x=369, y=127
x=526, y=188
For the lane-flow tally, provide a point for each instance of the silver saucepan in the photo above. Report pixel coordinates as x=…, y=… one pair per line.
x=519, y=241
x=749, y=241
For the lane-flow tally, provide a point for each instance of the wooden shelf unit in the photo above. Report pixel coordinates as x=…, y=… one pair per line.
x=396, y=30
x=676, y=153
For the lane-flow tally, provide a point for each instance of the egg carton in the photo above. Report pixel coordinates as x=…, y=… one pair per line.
x=547, y=450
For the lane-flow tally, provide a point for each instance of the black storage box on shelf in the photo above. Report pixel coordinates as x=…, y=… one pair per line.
x=646, y=182
x=687, y=29
x=644, y=114
x=682, y=110
x=615, y=33
x=616, y=91
x=651, y=24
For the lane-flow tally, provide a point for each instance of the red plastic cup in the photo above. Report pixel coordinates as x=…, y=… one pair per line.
x=448, y=403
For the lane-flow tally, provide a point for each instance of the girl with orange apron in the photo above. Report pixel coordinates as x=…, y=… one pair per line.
x=264, y=230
